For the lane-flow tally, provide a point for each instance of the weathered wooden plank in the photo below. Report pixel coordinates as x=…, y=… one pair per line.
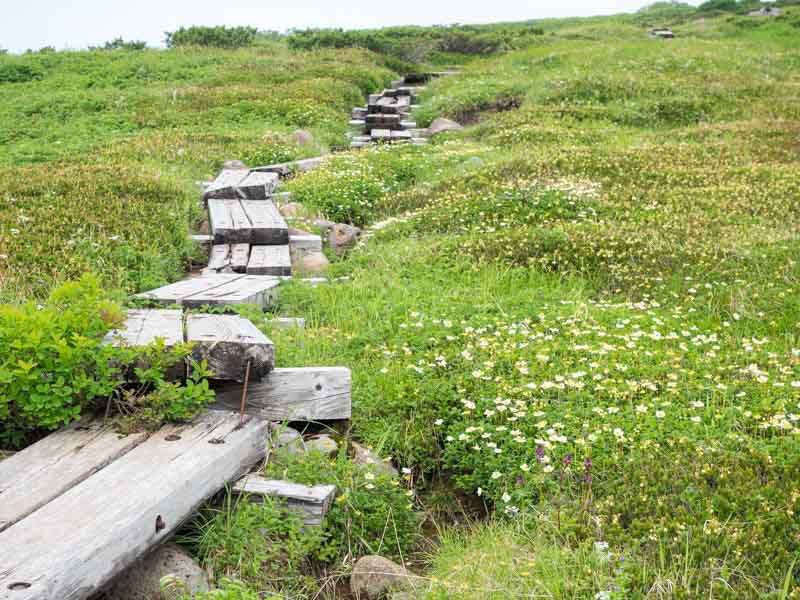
x=240, y=255
x=300, y=394
x=246, y=289
x=219, y=257
x=226, y=184
x=43, y=471
x=311, y=503
x=73, y=545
x=228, y=343
x=305, y=242
x=258, y=185
x=220, y=220
x=381, y=134
x=217, y=289
x=242, y=230
x=267, y=225
x=270, y=260
x=144, y=326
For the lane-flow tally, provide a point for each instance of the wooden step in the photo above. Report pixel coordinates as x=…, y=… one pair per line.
x=239, y=256
x=144, y=326
x=228, y=343
x=217, y=290
x=299, y=394
x=267, y=225
x=284, y=169
x=241, y=183
x=310, y=502
x=270, y=260
x=43, y=471
x=73, y=545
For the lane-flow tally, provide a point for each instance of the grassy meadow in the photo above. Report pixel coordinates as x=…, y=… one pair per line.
x=575, y=324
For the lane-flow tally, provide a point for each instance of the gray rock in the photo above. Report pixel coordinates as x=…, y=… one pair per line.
x=342, y=237
x=302, y=137
x=322, y=443
x=142, y=581
x=286, y=439
x=290, y=209
x=312, y=261
x=364, y=456
x=374, y=576
x=473, y=162
x=441, y=125
x=233, y=164
x=324, y=226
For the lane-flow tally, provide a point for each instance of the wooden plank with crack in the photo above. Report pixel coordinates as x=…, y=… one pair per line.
x=258, y=185
x=144, y=326
x=310, y=502
x=228, y=343
x=296, y=394
x=73, y=545
x=270, y=260
x=43, y=471
x=240, y=255
x=226, y=184
x=219, y=257
x=267, y=225
x=217, y=289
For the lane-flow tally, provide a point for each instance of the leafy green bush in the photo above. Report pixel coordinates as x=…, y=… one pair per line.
x=372, y=513
x=12, y=72
x=217, y=37
x=119, y=44
x=228, y=590
x=260, y=543
x=54, y=365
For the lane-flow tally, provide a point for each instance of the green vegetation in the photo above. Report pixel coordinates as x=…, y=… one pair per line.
x=99, y=151
x=215, y=37
x=582, y=311
x=54, y=366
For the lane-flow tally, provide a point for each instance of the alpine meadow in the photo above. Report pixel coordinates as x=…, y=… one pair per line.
x=571, y=320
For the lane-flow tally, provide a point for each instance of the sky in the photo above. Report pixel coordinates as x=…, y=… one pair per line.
x=80, y=23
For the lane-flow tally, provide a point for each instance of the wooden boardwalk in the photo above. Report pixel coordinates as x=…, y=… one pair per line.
x=84, y=503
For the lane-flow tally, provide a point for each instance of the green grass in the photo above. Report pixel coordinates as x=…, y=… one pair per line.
x=100, y=150
x=584, y=313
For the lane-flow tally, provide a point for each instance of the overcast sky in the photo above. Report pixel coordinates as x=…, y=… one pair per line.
x=80, y=23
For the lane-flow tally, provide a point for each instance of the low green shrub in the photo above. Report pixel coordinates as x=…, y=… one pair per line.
x=13, y=72
x=217, y=37
x=261, y=544
x=372, y=512
x=54, y=366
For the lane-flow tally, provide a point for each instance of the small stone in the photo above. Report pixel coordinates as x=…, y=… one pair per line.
x=322, y=443
x=374, y=576
x=290, y=209
x=365, y=456
x=312, y=261
x=302, y=137
x=142, y=581
x=286, y=438
x=324, y=226
x=441, y=125
x=233, y=164
x=342, y=237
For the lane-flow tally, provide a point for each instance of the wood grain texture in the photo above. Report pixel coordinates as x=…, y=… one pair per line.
x=311, y=503
x=217, y=289
x=76, y=543
x=267, y=225
x=219, y=257
x=297, y=394
x=240, y=255
x=228, y=343
x=144, y=326
x=258, y=185
x=226, y=184
x=220, y=220
x=270, y=260
x=43, y=471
